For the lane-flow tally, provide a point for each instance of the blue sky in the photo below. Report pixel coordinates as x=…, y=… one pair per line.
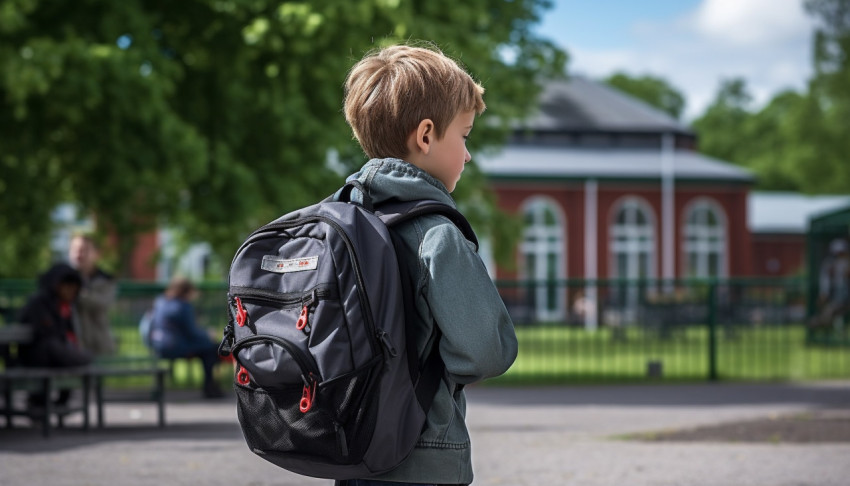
x=694, y=44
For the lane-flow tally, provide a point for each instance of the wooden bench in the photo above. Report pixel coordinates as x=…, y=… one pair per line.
x=44, y=380
x=88, y=378
x=150, y=367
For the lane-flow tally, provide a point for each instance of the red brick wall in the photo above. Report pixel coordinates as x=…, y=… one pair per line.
x=570, y=197
x=143, y=262
x=778, y=254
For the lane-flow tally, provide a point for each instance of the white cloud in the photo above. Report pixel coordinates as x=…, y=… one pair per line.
x=750, y=23
x=766, y=42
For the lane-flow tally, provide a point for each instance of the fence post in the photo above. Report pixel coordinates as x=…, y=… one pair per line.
x=712, y=330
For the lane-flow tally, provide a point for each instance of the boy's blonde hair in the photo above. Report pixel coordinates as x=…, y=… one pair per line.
x=391, y=90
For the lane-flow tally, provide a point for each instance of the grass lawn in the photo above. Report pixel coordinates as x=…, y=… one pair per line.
x=561, y=354
x=185, y=374
x=558, y=354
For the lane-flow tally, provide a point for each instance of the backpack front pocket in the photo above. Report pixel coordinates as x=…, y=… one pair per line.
x=337, y=425
x=272, y=362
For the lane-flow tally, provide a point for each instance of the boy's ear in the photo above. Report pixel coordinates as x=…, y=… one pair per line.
x=424, y=135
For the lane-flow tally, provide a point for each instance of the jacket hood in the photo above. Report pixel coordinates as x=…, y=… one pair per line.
x=59, y=273
x=388, y=180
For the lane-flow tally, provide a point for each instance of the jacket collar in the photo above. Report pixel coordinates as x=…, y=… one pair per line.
x=396, y=180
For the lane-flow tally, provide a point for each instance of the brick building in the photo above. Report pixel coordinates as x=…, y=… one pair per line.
x=611, y=188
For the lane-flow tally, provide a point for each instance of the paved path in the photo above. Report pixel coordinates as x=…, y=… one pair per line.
x=521, y=436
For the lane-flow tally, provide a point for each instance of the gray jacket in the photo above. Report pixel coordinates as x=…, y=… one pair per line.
x=455, y=294
x=93, y=304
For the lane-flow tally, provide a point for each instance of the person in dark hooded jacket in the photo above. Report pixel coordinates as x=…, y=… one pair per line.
x=50, y=314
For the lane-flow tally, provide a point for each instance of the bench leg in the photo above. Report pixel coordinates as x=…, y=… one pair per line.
x=7, y=400
x=98, y=396
x=86, y=401
x=47, y=388
x=160, y=397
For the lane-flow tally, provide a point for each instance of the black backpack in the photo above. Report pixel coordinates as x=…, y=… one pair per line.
x=327, y=381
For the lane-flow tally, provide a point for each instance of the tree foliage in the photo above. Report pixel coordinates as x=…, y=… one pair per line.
x=797, y=141
x=827, y=109
x=653, y=90
x=216, y=115
x=720, y=127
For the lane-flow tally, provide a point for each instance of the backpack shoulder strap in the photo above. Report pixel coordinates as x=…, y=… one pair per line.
x=428, y=374
x=398, y=212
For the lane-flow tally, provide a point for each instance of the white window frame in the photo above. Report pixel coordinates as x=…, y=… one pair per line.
x=632, y=239
x=703, y=240
x=543, y=241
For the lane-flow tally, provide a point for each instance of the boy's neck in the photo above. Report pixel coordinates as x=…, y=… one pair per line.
x=415, y=159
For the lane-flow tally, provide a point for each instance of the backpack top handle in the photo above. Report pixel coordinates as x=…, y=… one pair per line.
x=344, y=194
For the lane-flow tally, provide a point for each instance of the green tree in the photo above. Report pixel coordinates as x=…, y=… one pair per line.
x=772, y=145
x=217, y=115
x=823, y=121
x=797, y=141
x=653, y=90
x=720, y=128
x=769, y=141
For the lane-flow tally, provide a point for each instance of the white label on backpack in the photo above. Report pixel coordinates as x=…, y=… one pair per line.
x=273, y=263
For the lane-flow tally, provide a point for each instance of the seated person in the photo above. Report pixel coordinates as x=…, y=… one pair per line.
x=175, y=334
x=50, y=313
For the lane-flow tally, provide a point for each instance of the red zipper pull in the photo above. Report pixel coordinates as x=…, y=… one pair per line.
x=302, y=319
x=241, y=313
x=307, y=397
x=242, y=376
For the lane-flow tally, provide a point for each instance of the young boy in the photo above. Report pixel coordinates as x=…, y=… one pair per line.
x=412, y=110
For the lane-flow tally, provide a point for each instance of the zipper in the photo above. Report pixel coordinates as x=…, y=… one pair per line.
x=285, y=299
x=282, y=299
x=308, y=366
x=361, y=292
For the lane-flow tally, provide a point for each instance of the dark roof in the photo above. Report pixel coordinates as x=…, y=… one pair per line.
x=579, y=104
x=577, y=109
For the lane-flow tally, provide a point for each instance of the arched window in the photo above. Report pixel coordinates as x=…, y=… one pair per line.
x=542, y=251
x=632, y=240
x=632, y=249
x=704, y=243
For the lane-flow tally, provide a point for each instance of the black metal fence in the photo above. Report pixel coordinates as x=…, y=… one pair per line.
x=747, y=329
x=581, y=330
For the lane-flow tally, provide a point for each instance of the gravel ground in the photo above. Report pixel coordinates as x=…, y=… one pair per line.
x=641, y=435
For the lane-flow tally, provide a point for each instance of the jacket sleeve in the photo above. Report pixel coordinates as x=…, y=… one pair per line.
x=37, y=316
x=478, y=339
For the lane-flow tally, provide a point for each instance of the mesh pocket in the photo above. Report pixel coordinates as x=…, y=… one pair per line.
x=334, y=429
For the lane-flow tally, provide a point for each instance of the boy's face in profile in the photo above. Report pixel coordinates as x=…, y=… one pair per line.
x=448, y=155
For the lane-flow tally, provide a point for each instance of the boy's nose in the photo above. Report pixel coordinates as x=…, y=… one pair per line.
x=467, y=157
